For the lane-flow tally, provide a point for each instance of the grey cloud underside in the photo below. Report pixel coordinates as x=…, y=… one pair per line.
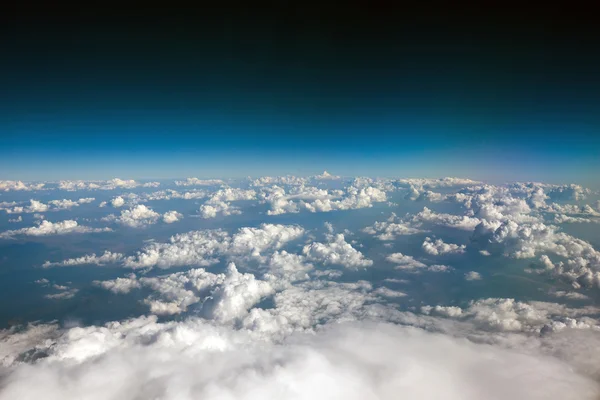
x=280, y=309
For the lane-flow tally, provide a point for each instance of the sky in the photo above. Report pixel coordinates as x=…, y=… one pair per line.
x=358, y=89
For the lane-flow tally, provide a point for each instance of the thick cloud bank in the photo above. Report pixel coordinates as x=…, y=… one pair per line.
x=141, y=359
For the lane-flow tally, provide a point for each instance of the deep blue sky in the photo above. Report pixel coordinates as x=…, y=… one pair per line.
x=495, y=94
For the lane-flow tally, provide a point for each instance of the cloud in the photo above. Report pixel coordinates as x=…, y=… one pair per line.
x=111, y=184
x=219, y=202
x=320, y=200
x=203, y=248
x=172, y=216
x=473, y=276
x=452, y=221
x=36, y=206
x=336, y=252
x=46, y=228
x=200, y=182
x=106, y=258
x=408, y=263
x=117, y=202
x=138, y=216
x=325, y=176
x=351, y=361
x=388, y=230
x=8, y=186
x=439, y=247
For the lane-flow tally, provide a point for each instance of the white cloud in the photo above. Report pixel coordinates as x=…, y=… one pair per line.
x=439, y=247
x=408, y=263
x=193, y=359
x=18, y=219
x=336, y=252
x=326, y=176
x=111, y=184
x=388, y=230
x=172, y=216
x=199, y=182
x=203, y=248
x=453, y=221
x=92, y=259
x=117, y=202
x=138, y=216
x=46, y=228
x=7, y=186
x=120, y=285
x=473, y=276
x=219, y=202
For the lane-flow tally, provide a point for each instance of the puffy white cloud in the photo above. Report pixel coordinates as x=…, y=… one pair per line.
x=172, y=216
x=46, y=228
x=193, y=359
x=218, y=203
x=138, y=217
x=203, y=248
x=120, y=285
x=336, y=252
x=7, y=186
x=320, y=200
x=111, y=184
x=439, y=247
x=92, y=259
x=36, y=206
x=453, y=221
x=18, y=219
x=473, y=276
x=408, y=263
x=117, y=202
x=388, y=230
x=509, y=315
x=238, y=293
x=200, y=182
x=404, y=261
x=325, y=176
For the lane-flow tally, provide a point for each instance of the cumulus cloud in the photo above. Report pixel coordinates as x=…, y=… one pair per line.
x=200, y=182
x=111, y=184
x=320, y=200
x=473, y=276
x=172, y=216
x=138, y=216
x=438, y=247
x=7, y=186
x=408, y=263
x=388, y=230
x=219, y=202
x=46, y=228
x=92, y=259
x=203, y=248
x=194, y=359
x=337, y=251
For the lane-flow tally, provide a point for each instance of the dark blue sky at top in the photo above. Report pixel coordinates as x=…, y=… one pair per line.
x=239, y=91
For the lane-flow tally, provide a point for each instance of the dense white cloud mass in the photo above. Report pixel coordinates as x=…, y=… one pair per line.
x=140, y=216
x=172, y=216
x=285, y=302
x=199, y=182
x=36, y=206
x=7, y=186
x=219, y=202
x=106, y=258
x=388, y=230
x=46, y=228
x=337, y=251
x=320, y=200
x=438, y=247
x=111, y=184
x=142, y=358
